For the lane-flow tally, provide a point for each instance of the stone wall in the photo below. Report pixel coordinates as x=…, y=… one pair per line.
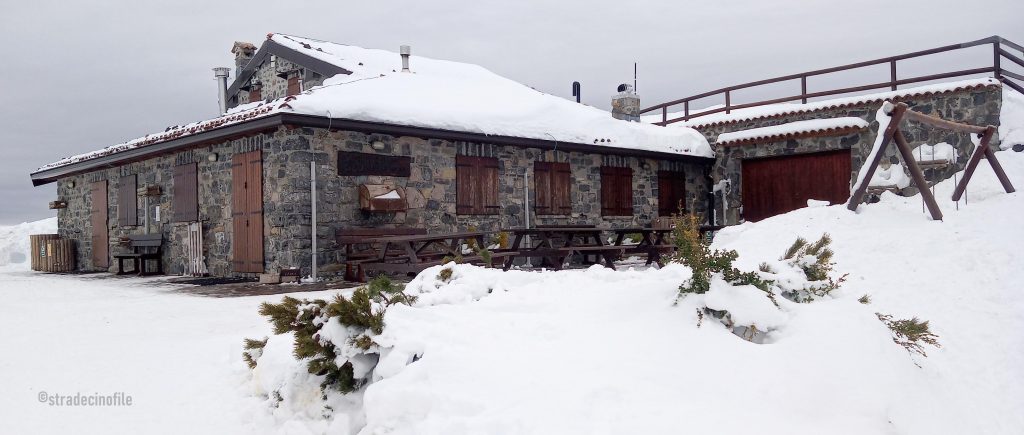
x=287, y=154
x=273, y=86
x=979, y=106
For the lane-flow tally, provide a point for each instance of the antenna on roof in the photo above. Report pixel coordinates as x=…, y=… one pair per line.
x=576, y=92
x=634, y=78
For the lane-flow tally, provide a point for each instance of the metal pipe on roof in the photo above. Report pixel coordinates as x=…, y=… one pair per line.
x=221, y=74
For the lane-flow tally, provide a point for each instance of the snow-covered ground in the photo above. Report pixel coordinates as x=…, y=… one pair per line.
x=570, y=352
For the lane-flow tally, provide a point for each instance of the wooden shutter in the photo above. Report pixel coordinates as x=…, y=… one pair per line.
x=561, y=180
x=551, y=184
x=465, y=185
x=98, y=219
x=256, y=94
x=476, y=185
x=185, y=203
x=294, y=85
x=127, y=201
x=616, y=191
x=671, y=192
x=247, y=212
x=542, y=188
x=489, y=177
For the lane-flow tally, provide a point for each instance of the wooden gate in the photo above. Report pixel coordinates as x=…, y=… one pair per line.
x=247, y=212
x=98, y=217
x=778, y=185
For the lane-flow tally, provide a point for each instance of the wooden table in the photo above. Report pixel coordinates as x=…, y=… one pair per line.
x=413, y=253
x=653, y=241
x=555, y=245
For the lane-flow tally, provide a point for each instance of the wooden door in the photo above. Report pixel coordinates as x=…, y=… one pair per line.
x=247, y=212
x=778, y=185
x=98, y=219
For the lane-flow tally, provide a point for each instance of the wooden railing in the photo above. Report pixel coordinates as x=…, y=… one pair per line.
x=998, y=54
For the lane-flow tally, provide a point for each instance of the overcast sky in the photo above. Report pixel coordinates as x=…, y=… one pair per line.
x=82, y=75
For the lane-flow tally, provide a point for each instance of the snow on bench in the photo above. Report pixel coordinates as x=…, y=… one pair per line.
x=792, y=128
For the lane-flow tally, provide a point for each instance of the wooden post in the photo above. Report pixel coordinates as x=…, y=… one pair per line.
x=917, y=176
x=895, y=117
x=983, y=150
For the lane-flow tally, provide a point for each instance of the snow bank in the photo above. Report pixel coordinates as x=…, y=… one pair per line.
x=939, y=151
x=807, y=126
x=1011, y=118
x=15, y=244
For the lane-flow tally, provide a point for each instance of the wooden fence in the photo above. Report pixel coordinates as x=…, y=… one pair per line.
x=999, y=54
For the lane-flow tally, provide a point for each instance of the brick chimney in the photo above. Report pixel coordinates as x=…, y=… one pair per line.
x=243, y=52
x=626, y=104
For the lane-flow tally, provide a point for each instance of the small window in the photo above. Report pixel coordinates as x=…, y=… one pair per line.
x=294, y=84
x=476, y=185
x=616, y=191
x=671, y=192
x=551, y=183
x=185, y=202
x=256, y=93
x=127, y=201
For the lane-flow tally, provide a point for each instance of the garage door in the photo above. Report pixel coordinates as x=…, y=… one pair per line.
x=777, y=185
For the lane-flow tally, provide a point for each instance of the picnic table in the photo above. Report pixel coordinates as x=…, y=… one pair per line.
x=413, y=253
x=653, y=241
x=556, y=244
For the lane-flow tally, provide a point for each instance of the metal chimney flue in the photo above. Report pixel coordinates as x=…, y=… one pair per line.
x=405, y=51
x=221, y=73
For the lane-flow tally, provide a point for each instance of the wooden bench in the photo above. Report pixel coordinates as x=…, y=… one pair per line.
x=359, y=250
x=145, y=247
x=412, y=268
x=609, y=253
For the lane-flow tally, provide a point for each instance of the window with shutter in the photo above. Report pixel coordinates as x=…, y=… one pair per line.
x=256, y=93
x=671, y=192
x=551, y=187
x=294, y=85
x=185, y=202
x=476, y=185
x=127, y=202
x=616, y=191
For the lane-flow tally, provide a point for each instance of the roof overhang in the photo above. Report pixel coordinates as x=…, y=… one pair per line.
x=272, y=122
x=270, y=47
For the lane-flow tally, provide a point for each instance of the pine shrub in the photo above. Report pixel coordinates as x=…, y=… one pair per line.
x=912, y=333
x=694, y=252
x=362, y=314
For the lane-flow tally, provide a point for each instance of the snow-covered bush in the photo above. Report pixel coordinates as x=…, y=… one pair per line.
x=693, y=251
x=335, y=339
x=815, y=261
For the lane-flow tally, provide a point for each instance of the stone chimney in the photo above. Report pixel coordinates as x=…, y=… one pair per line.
x=626, y=104
x=243, y=52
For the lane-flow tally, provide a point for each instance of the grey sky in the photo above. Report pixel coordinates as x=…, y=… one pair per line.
x=79, y=76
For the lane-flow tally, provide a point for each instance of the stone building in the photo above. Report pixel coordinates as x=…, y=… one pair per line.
x=457, y=145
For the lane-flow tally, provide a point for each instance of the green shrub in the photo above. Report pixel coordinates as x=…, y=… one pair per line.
x=694, y=252
x=817, y=271
x=363, y=312
x=253, y=351
x=912, y=333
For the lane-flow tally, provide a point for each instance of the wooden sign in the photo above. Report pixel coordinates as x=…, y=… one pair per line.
x=351, y=163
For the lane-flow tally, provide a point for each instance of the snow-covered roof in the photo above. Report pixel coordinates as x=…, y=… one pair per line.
x=772, y=110
x=441, y=95
x=791, y=129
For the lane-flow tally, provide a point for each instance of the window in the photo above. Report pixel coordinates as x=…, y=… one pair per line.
x=616, y=191
x=476, y=185
x=255, y=93
x=551, y=183
x=185, y=203
x=294, y=84
x=671, y=192
x=127, y=202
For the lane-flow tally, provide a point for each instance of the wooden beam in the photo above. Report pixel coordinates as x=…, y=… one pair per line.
x=895, y=117
x=917, y=175
x=983, y=150
x=937, y=122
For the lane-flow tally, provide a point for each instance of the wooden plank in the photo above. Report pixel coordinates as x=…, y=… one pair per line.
x=983, y=150
x=239, y=239
x=490, y=181
x=100, y=243
x=185, y=199
x=916, y=175
x=942, y=123
x=778, y=185
x=465, y=185
x=127, y=201
x=561, y=188
x=542, y=188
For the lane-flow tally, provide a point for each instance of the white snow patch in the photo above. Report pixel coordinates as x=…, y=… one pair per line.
x=15, y=244
x=810, y=125
x=939, y=151
x=1011, y=119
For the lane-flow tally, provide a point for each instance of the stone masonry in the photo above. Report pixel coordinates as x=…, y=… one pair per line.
x=979, y=106
x=287, y=154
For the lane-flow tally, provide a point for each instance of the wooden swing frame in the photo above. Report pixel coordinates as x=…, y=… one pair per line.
x=892, y=133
